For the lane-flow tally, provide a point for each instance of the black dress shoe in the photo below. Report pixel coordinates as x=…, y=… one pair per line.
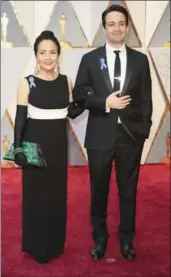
x=128, y=252
x=98, y=251
x=41, y=260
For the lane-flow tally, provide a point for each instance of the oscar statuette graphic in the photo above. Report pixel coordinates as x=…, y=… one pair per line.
x=63, y=23
x=5, y=145
x=167, y=158
x=167, y=43
x=4, y=26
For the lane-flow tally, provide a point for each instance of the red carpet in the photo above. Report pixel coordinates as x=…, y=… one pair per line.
x=152, y=241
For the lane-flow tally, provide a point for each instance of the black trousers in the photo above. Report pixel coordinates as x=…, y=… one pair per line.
x=127, y=156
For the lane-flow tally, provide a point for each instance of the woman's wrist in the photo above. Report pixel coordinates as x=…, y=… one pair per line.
x=18, y=150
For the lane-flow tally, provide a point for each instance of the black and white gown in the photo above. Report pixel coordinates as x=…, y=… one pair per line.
x=44, y=190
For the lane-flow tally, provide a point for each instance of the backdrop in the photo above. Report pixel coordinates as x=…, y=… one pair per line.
x=78, y=25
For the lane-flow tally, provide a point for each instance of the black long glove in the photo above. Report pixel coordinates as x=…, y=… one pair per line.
x=20, y=122
x=74, y=110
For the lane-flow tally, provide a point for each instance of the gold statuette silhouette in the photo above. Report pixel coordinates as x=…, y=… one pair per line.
x=167, y=158
x=5, y=146
x=63, y=42
x=4, y=26
x=167, y=43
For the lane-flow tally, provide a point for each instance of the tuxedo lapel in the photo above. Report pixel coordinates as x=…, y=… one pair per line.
x=129, y=70
x=104, y=67
x=102, y=63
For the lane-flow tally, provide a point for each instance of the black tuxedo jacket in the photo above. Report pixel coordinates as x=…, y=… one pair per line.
x=93, y=86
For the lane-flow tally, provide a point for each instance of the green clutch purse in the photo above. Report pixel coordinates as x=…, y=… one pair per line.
x=31, y=150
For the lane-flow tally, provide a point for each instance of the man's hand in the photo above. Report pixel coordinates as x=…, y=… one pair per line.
x=115, y=102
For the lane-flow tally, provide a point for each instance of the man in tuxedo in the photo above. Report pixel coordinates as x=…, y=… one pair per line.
x=114, y=83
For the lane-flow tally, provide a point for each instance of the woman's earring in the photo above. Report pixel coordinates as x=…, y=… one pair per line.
x=57, y=69
x=37, y=69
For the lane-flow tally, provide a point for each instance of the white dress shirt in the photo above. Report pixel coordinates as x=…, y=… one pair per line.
x=110, y=56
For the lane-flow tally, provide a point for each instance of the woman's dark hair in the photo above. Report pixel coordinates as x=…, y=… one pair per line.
x=114, y=8
x=46, y=35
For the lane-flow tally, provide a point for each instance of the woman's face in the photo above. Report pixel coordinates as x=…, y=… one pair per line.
x=47, y=55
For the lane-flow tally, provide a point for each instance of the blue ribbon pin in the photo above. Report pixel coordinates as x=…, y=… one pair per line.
x=32, y=83
x=102, y=63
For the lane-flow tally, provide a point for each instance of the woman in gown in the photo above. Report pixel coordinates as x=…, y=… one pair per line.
x=44, y=101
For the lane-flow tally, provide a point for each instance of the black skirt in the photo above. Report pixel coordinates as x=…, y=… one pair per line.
x=45, y=190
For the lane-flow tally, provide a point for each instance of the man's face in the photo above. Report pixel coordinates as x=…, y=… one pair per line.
x=116, y=28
